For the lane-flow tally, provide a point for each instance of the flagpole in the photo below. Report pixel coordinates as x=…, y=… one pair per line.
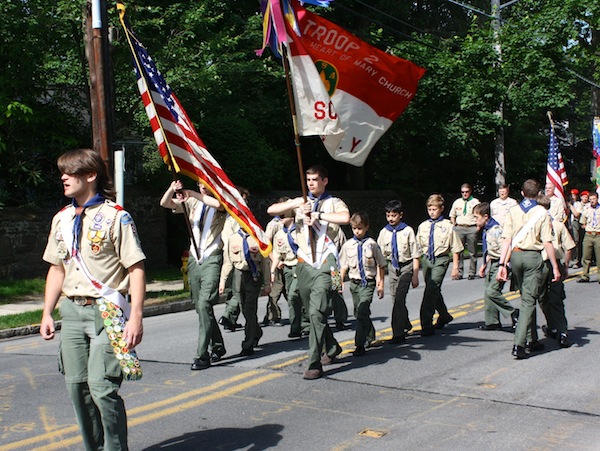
x=171, y=163
x=292, y=101
x=549, y=114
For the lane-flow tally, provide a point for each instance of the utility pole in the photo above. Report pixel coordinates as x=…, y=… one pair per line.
x=100, y=80
x=499, y=164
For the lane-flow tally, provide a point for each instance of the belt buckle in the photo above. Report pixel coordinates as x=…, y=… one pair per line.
x=79, y=300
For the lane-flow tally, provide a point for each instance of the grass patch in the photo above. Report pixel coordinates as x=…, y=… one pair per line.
x=24, y=319
x=163, y=274
x=11, y=289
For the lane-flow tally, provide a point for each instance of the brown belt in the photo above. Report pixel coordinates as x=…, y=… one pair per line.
x=592, y=233
x=83, y=301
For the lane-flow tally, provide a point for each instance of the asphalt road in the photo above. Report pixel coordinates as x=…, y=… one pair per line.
x=458, y=390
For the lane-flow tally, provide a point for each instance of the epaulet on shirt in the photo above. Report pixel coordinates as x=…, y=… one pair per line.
x=115, y=205
x=65, y=207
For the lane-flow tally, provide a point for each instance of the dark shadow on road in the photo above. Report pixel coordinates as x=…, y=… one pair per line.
x=225, y=439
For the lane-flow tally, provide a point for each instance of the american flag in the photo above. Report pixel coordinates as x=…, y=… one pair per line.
x=179, y=143
x=555, y=169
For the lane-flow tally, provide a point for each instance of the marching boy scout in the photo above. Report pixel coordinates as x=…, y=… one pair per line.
x=318, y=222
x=590, y=221
x=527, y=231
x=95, y=259
x=284, y=260
x=250, y=272
x=207, y=217
x=495, y=304
x=399, y=246
x=461, y=215
x=437, y=240
x=362, y=259
x=552, y=295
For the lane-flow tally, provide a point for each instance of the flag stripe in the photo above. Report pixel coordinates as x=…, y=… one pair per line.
x=555, y=168
x=179, y=143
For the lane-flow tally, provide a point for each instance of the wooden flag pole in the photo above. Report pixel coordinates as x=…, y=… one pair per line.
x=292, y=101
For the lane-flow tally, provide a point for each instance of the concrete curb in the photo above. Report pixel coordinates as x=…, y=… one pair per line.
x=151, y=310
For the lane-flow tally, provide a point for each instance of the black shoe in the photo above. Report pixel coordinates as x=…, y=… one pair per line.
x=563, y=341
x=427, y=332
x=514, y=316
x=549, y=333
x=360, y=350
x=216, y=356
x=295, y=335
x=496, y=326
x=227, y=324
x=247, y=352
x=305, y=333
x=397, y=340
x=265, y=323
x=340, y=326
x=519, y=352
x=534, y=346
x=237, y=326
x=200, y=364
x=583, y=280
x=471, y=277
x=442, y=321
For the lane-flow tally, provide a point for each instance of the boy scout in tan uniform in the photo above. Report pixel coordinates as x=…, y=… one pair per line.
x=207, y=217
x=318, y=222
x=399, y=246
x=553, y=294
x=590, y=221
x=437, y=240
x=284, y=259
x=250, y=272
x=461, y=215
x=362, y=260
x=495, y=304
x=527, y=231
x=95, y=236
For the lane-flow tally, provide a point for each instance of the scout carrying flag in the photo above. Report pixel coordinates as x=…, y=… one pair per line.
x=555, y=168
x=179, y=143
x=360, y=91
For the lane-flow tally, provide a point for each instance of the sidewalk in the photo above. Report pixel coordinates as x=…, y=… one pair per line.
x=36, y=302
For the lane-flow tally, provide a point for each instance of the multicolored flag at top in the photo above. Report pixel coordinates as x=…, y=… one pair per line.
x=596, y=150
x=555, y=169
x=179, y=143
x=346, y=90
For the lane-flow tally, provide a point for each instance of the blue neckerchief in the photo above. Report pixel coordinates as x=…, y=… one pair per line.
x=594, y=219
x=78, y=223
x=431, y=246
x=394, y=229
x=247, y=256
x=361, y=265
x=527, y=204
x=288, y=231
x=488, y=225
x=317, y=200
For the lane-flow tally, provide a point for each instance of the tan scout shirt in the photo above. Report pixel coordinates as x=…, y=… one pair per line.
x=499, y=208
x=445, y=239
x=590, y=218
x=109, y=245
x=372, y=258
x=458, y=211
x=230, y=227
x=334, y=231
x=407, y=244
x=557, y=208
x=493, y=238
x=563, y=241
x=210, y=233
x=233, y=257
x=540, y=233
x=282, y=249
x=273, y=226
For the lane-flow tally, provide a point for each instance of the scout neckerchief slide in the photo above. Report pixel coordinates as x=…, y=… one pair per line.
x=113, y=308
